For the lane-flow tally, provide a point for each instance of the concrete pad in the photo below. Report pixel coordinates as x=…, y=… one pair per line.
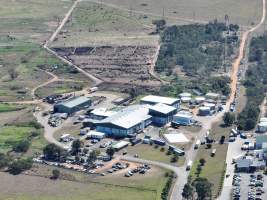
x=176, y=138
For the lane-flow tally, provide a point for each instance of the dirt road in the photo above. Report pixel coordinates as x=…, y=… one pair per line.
x=236, y=63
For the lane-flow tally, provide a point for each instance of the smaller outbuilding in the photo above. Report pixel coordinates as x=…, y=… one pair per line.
x=120, y=145
x=211, y=95
x=260, y=139
x=200, y=100
x=95, y=135
x=162, y=114
x=262, y=125
x=204, y=111
x=184, y=94
x=152, y=100
x=72, y=105
x=183, y=118
x=101, y=113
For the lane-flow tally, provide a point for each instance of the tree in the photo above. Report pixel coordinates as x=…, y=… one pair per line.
x=16, y=167
x=110, y=151
x=209, y=146
x=203, y=188
x=13, y=73
x=75, y=147
x=202, y=161
x=55, y=174
x=160, y=24
x=174, y=159
x=228, y=118
x=92, y=157
x=222, y=139
x=21, y=146
x=188, y=191
x=4, y=160
x=51, y=152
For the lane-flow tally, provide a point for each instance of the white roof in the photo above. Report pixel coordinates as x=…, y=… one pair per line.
x=263, y=119
x=159, y=99
x=204, y=108
x=186, y=98
x=184, y=114
x=120, y=144
x=211, y=94
x=176, y=138
x=95, y=133
x=162, y=108
x=200, y=98
x=185, y=94
x=129, y=117
x=103, y=112
x=64, y=136
x=263, y=124
x=209, y=104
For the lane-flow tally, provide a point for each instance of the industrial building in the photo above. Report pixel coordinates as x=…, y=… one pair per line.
x=183, y=118
x=204, y=111
x=126, y=122
x=101, y=113
x=162, y=113
x=72, y=105
x=260, y=139
x=262, y=125
x=211, y=95
x=152, y=100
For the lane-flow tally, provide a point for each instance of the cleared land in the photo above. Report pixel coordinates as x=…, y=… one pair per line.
x=242, y=12
x=145, y=187
x=32, y=20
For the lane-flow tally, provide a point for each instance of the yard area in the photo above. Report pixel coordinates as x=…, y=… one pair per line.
x=80, y=187
x=148, y=152
x=214, y=167
x=32, y=20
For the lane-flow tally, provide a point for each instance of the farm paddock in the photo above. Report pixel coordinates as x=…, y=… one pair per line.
x=114, y=64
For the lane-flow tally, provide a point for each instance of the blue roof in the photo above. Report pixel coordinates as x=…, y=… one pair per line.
x=75, y=102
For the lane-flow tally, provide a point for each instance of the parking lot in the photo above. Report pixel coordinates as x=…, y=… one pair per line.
x=249, y=186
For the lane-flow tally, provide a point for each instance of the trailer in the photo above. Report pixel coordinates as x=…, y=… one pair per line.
x=213, y=152
x=136, y=141
x=159, y=142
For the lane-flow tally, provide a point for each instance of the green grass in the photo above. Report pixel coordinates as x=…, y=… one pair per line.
x=111, y=187
x=214, y=167
x=9, y=107
x=10, y=135
x=148, y=152
x=59, y=87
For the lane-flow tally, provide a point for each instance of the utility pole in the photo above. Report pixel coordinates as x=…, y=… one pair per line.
x=163, y=13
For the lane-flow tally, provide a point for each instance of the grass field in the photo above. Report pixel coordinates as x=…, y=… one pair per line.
x=214, y=167
x=32, y=20
x=92, y=24
x=112, y=187
x=59, y=87
x=9, y=107
x=242, y=12
x=20, y=64
x=148, y=152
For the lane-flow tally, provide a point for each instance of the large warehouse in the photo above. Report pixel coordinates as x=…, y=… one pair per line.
x=127, y=121
x=152, y=100
x=72, y=105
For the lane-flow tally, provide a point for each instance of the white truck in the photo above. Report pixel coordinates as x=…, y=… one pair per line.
x=189, y=165
x=197, y=144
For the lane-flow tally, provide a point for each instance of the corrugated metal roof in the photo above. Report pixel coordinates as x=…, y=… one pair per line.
x=163, y=108
x=103, y=112
x=129, y=117
x=159, y=99
x=74, y=102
